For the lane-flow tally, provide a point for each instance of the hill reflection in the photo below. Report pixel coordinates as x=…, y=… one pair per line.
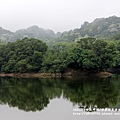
x=35, y=94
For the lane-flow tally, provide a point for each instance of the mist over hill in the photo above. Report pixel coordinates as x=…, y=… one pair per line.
x=31, y=32
x=99, y=28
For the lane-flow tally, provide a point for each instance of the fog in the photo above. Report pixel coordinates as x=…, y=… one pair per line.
x=58, y=15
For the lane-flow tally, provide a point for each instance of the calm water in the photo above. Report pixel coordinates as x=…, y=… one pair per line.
x=60, y=99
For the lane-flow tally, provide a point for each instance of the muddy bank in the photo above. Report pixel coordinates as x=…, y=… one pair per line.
x=30, y=75
x=104, y=74
x=68, y=73
x=71, y=72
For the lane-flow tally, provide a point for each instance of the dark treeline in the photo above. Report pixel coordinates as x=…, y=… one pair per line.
x=33, y=55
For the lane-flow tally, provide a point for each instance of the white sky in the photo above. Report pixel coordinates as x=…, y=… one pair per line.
x=58, y=15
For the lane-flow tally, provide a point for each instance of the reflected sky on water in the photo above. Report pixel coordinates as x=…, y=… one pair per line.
x=51, y=99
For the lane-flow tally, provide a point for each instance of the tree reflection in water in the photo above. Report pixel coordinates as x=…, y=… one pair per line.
x=35, y=94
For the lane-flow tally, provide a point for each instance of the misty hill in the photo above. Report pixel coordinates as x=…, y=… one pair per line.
x=99, y=28
x=3, y=31
x=35, y=32
x=31, y=32
x=6, y=35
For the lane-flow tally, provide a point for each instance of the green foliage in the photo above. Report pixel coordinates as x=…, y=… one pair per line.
x=86, y=43
x=24, y=55
x=116, y=36
x=32, y=55
x=85, y=54
x=54, y=58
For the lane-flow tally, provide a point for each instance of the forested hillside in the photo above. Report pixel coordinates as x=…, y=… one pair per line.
x=46, y=35
x=103, y=28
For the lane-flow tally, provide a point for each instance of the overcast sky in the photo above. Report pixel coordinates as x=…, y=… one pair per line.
x=58, y=15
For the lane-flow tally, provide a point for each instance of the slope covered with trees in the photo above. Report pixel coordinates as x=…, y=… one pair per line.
x=31, y=32
x=100, y=28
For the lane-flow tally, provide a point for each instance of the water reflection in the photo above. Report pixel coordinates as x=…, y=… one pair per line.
x=35, y=94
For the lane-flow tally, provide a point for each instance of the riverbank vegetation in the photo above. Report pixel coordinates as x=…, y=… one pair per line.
x=33, y=55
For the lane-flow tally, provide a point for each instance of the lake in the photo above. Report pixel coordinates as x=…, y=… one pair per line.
x=85, y=98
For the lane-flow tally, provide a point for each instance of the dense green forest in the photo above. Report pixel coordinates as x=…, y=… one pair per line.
x=33, y=55
x=24, y=55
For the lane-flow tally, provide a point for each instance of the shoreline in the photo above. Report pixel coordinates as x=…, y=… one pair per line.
x=49, y=75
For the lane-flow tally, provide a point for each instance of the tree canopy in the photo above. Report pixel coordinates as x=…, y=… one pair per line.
x=24, y=55
x=33, y=55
